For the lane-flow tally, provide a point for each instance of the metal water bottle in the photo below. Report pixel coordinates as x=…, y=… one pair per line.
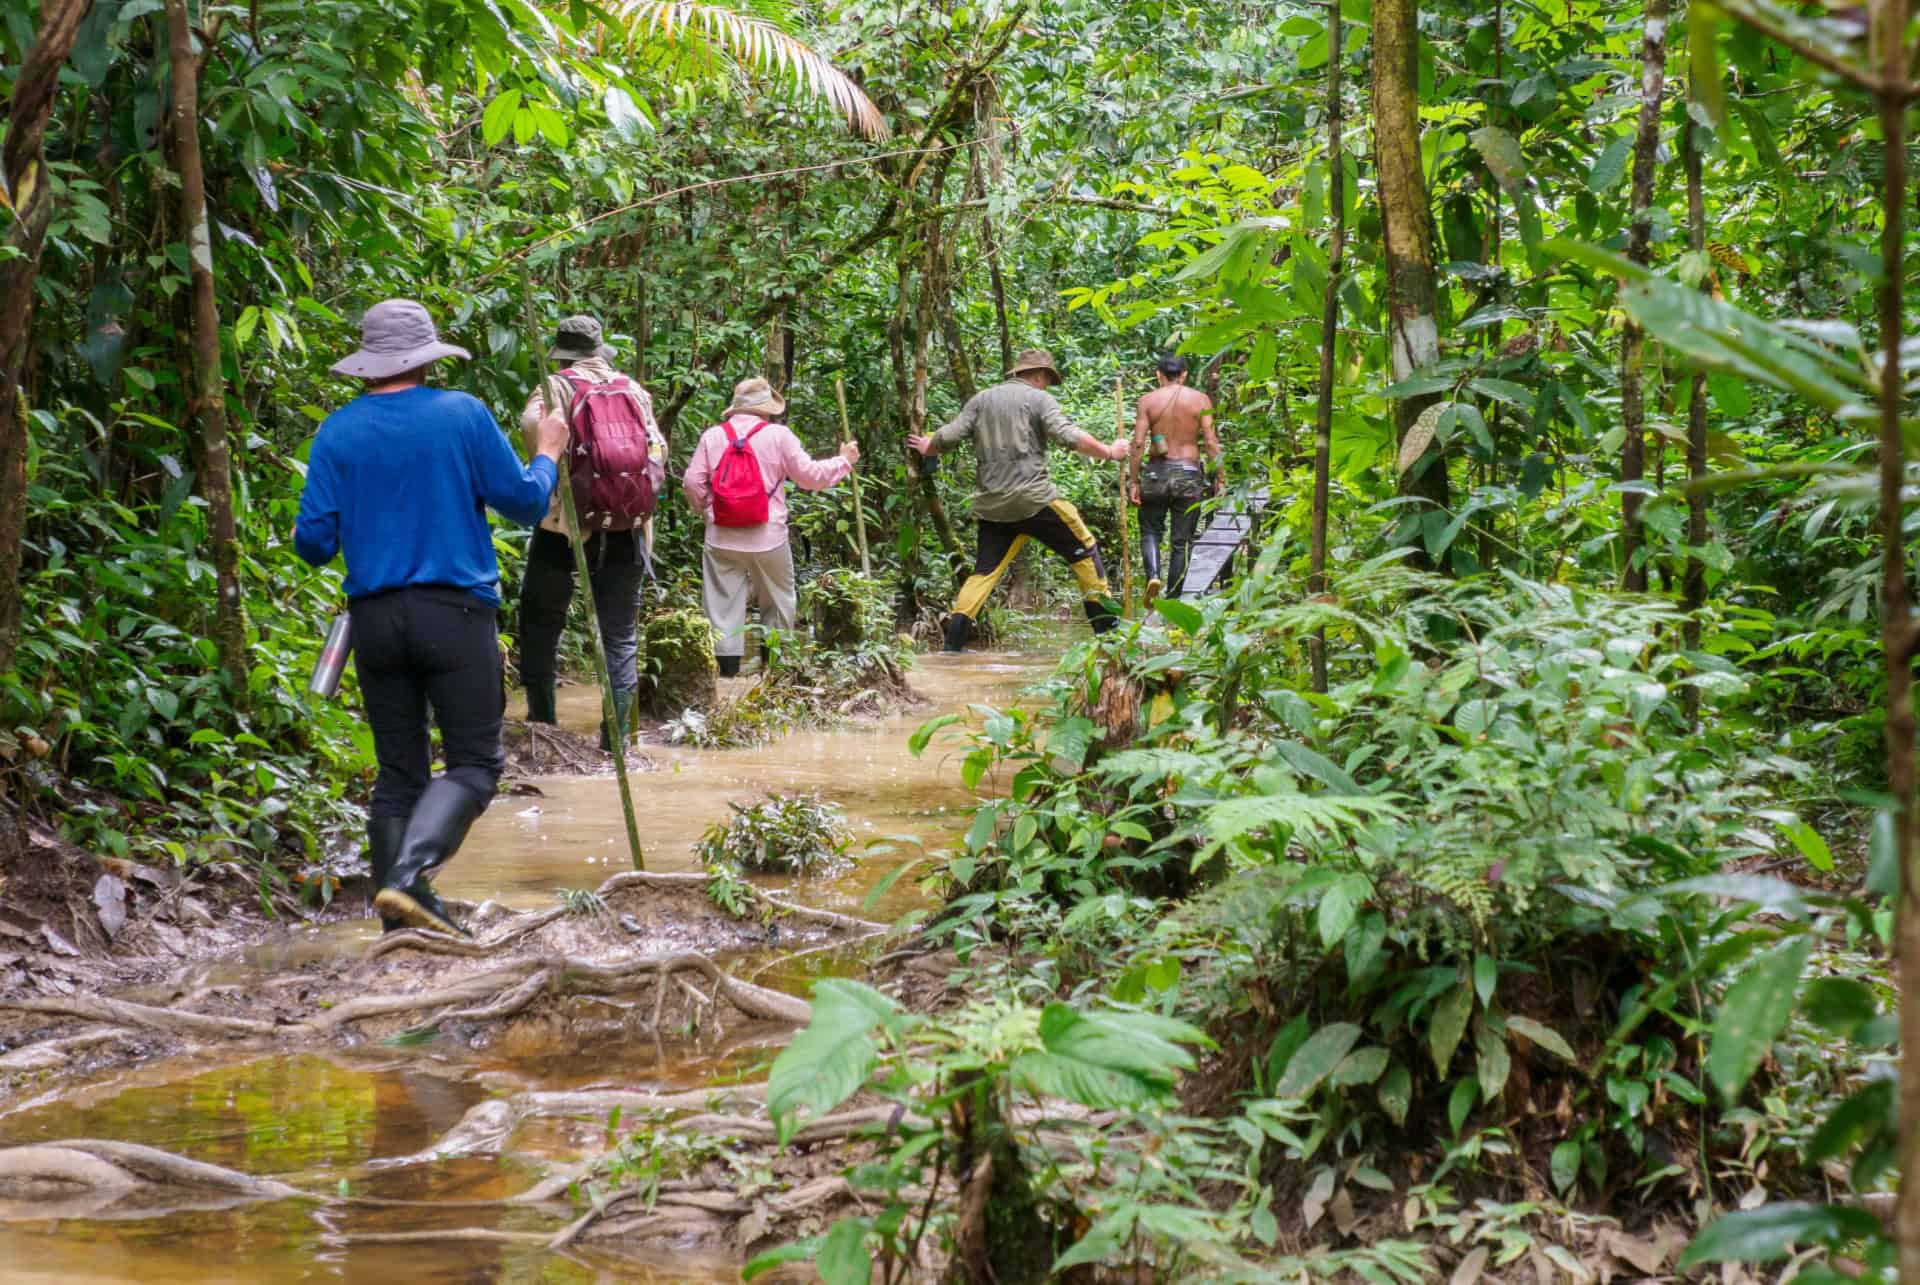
x=333, y=658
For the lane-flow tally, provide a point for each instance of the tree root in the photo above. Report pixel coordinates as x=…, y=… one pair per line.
x=103, y=1172
x=121, y=1012
x=45, y=1055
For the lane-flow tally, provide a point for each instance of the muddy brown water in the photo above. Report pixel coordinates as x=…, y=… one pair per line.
x=326, y=1122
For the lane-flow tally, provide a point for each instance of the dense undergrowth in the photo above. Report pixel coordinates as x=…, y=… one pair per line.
x=1356, y=968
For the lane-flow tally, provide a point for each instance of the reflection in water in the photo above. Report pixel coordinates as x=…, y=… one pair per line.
x=318, y=1122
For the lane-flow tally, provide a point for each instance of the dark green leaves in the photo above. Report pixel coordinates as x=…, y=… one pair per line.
x=1766, y=1234
x=1752, y=1015
x=828, y=1062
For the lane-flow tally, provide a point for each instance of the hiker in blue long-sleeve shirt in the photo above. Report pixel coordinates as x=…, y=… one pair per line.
x=399, y=481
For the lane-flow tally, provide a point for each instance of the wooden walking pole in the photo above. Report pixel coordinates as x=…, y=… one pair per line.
x=617, y=735
x=1126, y=554
x=859, y=510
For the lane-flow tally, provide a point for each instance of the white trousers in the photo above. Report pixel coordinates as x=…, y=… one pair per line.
x=730, y=576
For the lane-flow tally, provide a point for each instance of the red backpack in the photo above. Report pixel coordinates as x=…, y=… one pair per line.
x=739, y=492
x=609, y=459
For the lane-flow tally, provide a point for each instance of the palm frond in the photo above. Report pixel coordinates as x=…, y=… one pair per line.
x=757, y=43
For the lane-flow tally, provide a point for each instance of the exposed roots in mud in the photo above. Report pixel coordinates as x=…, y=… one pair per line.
x=634, y=954
x=542, y=749
x=95, y=1178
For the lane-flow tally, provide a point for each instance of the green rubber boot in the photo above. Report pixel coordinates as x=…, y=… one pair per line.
x=541, y=701
x=622, y=715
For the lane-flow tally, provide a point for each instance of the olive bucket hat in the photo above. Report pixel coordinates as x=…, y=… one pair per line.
x=1035, y=359
x=396, y=336
x=577, y=339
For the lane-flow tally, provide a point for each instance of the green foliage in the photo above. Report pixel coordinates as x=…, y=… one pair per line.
x=783, y=833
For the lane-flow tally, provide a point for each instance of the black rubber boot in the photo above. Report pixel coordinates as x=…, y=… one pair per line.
x=622, y=715
x=959, y=629
x=439, y=823
x=729, y=666
x=541, y=702
x=384, y=837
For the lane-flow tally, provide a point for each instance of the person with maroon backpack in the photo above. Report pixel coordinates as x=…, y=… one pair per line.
x=617, y=463
x=737, y=482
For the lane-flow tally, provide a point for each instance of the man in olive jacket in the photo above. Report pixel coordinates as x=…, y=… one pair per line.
x=1011, y=426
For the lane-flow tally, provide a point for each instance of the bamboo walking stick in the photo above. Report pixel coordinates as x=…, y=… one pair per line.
x=1126, y=554
x=859, y=510
x=617, y=735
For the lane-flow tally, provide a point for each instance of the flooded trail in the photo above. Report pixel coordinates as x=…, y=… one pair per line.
x=335, y=1121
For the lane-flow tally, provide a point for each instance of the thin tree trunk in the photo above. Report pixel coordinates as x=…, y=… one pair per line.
x=1694, y=584
x=1633, y=340
x=924, y=477
x=939, y=279
x=1897, y=623
x=209, y=386
x=1413, y=330
x=36, y=84
x=990, y=248
x=1329, y=331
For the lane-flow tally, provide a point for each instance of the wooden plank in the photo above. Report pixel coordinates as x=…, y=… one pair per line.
x=1230, y=530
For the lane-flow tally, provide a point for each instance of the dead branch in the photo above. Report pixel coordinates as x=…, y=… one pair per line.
x=144, y=1016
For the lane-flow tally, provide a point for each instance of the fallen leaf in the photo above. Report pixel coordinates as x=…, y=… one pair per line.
x=1319, y=1192
x=59, y=944
x=172, y=938
x=1471, y=1268
x=1342, y=1210
x=110, y=902
x=1644, y=1255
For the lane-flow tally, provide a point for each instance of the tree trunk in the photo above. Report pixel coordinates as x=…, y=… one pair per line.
x=1633, y=341
x=939, y=279
x=1413, y=329
x=36, y=84
x=1897, y=623
x=1694, y=585
x=990, y=250
x=913, y=414
x=209, y=386
x=1329, y=330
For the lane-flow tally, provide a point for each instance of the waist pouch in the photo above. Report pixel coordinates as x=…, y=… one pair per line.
x=1165, y=480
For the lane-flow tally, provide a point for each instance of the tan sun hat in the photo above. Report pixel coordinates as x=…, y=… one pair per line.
x=755, y=397
x=396, y=335
x=1035, y=359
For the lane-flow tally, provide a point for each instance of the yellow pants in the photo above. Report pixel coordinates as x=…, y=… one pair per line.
x=1059, y=527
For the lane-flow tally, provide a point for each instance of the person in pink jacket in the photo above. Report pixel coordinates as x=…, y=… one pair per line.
x=754, y=559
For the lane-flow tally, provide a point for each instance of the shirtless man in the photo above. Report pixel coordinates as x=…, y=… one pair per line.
x=1168, y=430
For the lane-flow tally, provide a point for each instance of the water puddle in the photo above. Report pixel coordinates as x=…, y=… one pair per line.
x=318, y=1121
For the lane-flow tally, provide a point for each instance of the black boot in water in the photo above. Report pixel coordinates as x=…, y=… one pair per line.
x=439, y=823
x=384, y=837
x=959, y=629
x=541, y=701
x=729, y=666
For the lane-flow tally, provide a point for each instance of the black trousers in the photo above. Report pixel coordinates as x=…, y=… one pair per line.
x=617, y=568
x=1058, y=527
x=430, y=648
x=1171, y=491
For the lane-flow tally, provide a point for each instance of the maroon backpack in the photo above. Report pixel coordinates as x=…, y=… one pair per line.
x=609, y=458
x=739, y=492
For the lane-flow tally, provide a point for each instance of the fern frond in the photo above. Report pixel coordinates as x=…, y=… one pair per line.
x=1307, y=816
x=756, y=43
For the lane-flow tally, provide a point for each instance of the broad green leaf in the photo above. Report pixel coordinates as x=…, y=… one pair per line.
x=1448, y=1024
x=1611, y=165
x=1564, y=1166
x=799, y=1251
x=1544, y=1036
x=1396, y=1094
x=843, y=1257
x=1752, y=1015
x=498, y=118
x=1460, y=1103
x=917, y=743
x=828, y=1061
x=1183, y=616
x=1486, y=974
x=1501, y=151
x=1494, y=1063
x=1811, y=845
x=1362, y=1066
x=1767, y=1234
x=1324, y=1050
x=1839, y=1004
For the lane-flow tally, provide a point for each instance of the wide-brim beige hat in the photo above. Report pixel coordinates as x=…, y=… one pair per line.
x=1035, y=359
x=396, y=336
x=756, y=397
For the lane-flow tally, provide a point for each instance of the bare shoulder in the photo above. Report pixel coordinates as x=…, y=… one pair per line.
x=1202, y=404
